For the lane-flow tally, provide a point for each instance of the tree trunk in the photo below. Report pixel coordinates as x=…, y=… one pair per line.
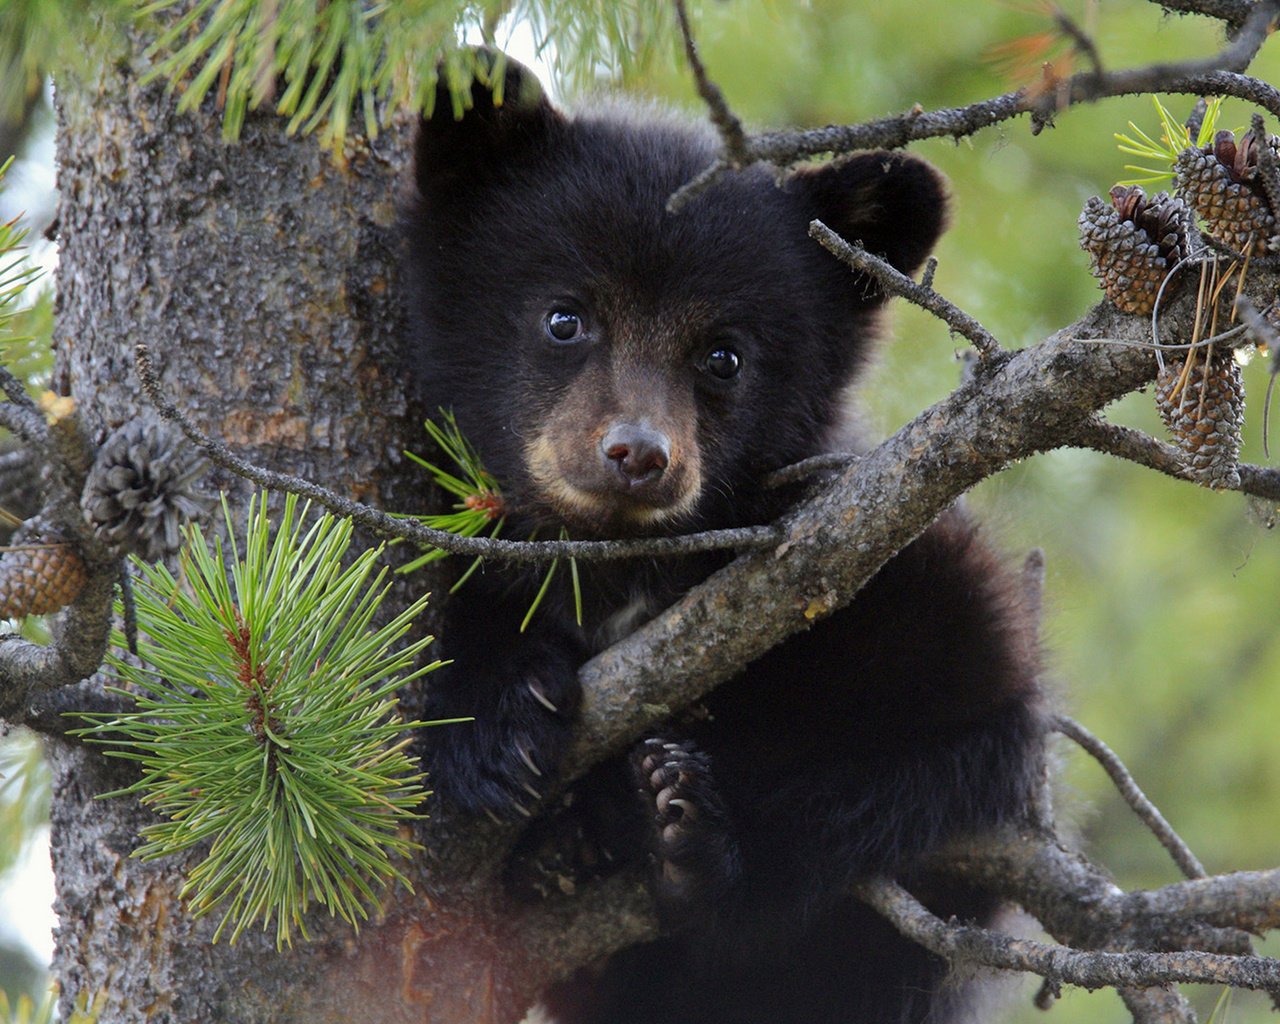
x=263, y=277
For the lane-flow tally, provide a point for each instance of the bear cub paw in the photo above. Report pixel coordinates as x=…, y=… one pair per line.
x=695, y=853
x=501, y=762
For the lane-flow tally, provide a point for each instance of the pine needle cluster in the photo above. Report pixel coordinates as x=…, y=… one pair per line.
x=25, y=785
x=266, y=725
x=16, y=271
x=25, y=1011
x=480, y=506
x=37, y=36
x=323, y=65
x=1174, y=138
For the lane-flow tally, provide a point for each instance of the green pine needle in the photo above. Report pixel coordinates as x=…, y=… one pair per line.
x=25, y=786
x=26, y=324
x=41, y=35
x=16, y=271
x=265, y=722
x=1173, y=140
x=24, y=1011
x=481, y=504
x=321, y=65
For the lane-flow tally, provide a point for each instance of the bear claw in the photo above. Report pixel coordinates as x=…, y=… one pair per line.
x=540, y=695
x=693, y=847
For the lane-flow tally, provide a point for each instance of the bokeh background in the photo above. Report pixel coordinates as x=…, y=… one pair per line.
x=1162, y=598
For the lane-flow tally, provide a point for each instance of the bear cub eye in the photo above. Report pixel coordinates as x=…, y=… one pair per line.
x=722, y=363
x=563, y=326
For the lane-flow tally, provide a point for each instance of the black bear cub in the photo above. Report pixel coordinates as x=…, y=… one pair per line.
x=625, y=371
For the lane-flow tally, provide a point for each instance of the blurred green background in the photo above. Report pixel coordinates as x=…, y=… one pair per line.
x=1160, y=595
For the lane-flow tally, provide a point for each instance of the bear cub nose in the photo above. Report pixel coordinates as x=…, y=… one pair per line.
x=637, y=452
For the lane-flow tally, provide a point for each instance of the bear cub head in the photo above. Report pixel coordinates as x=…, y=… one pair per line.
x=621, y=369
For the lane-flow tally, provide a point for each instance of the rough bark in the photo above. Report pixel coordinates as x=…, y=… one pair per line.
x=262, y=275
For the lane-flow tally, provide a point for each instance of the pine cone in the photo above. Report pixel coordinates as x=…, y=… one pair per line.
x=1220, y=182
x=1133, y=243
x=140, y=490
x=1205, y=417
x=41, y=572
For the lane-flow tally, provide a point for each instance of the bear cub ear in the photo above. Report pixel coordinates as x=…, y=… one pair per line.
x=505, y=112
x=893, y=204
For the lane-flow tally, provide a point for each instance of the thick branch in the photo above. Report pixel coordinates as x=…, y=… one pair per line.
x=24, y=422
x=606, y=917
x=81, y=631
x=1033, y=401
x=79, y=643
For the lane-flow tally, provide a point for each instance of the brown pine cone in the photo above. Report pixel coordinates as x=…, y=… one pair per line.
x=1205, y=417
x=1220, y=183
x=143, y=488
x=41, y=572
x=1132, y=243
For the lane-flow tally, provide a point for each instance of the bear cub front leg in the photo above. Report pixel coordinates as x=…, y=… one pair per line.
x=523, y=705
x=697, y=858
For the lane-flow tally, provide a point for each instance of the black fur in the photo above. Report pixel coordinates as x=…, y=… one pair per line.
x=905, y=719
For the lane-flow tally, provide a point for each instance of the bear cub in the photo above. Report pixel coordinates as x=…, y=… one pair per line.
x=624, y=371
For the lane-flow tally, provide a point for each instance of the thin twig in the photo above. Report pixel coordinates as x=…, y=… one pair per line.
x=1082, y=40
x=1033, y=574
x=726, y=122
x=1262, y=334
x=897, y=283
x=930, y=268
x=1133, y=795
x=14, y=389
x=751, y=538
x=1233, y=12
x=824, y=463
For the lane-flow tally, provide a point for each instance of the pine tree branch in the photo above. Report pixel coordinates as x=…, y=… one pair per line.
x=1144, y=450
x=1164, y=1005
x=1040, y=398
x=1233, y=13
x=81, y=631
x=1080, y=905
x=603, y=918
x=15, y=391
x=1090, y=969
x=24, y=423
x=1220, y=74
